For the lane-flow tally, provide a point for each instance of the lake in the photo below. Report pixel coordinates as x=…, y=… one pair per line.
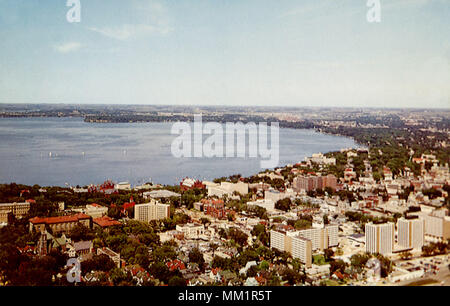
x=56, y=151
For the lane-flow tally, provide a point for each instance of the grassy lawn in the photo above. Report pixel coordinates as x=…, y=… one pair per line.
x=330, y=282
x=319, y=260
x=423, y=282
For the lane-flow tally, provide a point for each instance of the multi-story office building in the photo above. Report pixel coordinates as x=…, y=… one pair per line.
x=410, y=233
x=151, y=211
x=380, y=238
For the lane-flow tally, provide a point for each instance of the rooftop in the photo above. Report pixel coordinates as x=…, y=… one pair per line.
x=61, y=219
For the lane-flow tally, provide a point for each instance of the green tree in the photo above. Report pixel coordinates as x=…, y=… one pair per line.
x=81, y=233
x=283, y=204
x=197, y=257
x=177, y=281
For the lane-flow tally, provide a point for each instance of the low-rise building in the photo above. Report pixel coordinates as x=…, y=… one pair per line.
x=61, y=224
x=191, y=230
x=105, y=223
x=95, y=210
x=18, y=210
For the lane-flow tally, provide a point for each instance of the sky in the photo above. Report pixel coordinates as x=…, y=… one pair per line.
x=226, y=52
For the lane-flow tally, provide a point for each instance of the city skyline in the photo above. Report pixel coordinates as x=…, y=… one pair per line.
x=321, y=53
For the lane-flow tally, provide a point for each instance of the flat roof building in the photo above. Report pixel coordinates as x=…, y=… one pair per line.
x=380, y=238
x=151, y=211
x=411, y=233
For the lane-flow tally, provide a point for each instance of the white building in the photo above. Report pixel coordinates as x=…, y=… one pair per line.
x=437, y=227
x=289, y=241
x=411, y=233
x=123, y=186
x=151, y=211
x=277, y=240
x=158, y=194
x=264, y=203
x=95, y=210
x=226, y=188
x=380, y=238
x=319, y=158
x=191, y=230
x=275, y=195
x=321, y=238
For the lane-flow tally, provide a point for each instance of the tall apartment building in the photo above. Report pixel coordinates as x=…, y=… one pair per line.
x=411, y=233
x=19, y=210
x=380, y=238
x=301, y=248
x=289, y=241
x=437, y=227
x=151, y=211
x=308, y=183
x=321, y=238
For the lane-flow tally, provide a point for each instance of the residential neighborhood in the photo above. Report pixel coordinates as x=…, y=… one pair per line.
x=302, y=224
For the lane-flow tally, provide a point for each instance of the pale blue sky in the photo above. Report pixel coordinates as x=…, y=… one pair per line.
x=233, y=52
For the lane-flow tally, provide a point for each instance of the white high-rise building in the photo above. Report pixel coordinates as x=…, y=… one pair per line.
x=380, y=238
x=290, y=241
x=332, y=233
x=301, y=248
x=151, y=211
x=437, y=227
x=277, y=240
x=411, y=233
x=321, y=238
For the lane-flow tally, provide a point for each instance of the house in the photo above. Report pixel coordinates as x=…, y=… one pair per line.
x=176, y=265
x=81, y=249
x=215, y=275
x=251, y=281
x=228, y=276
x=115, y=257
x=247, y=266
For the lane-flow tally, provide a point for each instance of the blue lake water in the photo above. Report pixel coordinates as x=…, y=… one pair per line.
x=56, y=151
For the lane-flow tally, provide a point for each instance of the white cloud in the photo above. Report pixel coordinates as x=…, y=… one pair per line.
x=149, y=18
x=405, y=4
x=306, y=9
x=68, y=47
x=127, y=31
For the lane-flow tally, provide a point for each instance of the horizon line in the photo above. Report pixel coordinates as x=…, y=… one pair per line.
x=228, y=106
